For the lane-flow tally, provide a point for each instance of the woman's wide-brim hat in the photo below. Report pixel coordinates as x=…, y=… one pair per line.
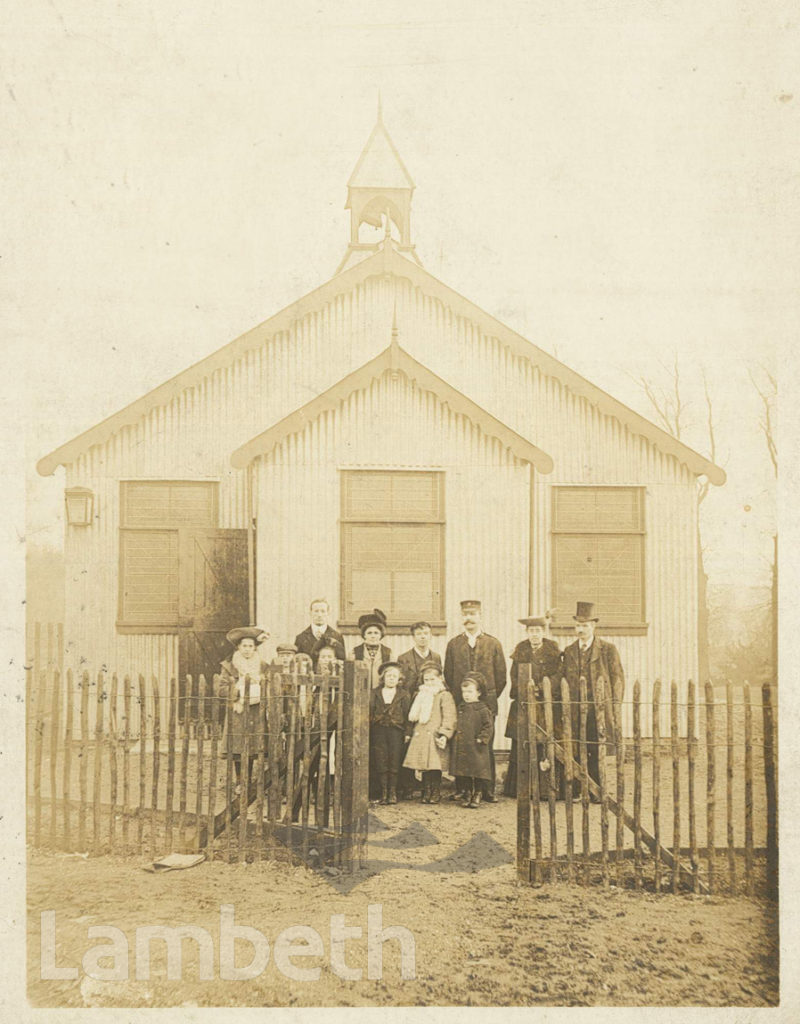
x=235, y=636
x=585, y=612
x=390, y=664
x=374, y=618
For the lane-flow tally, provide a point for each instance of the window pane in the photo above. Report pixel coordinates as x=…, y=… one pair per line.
x=597, y=509
x=604, y=569
x=394, y=567
x=379, y=496
x=149, y=563
x=168, y=503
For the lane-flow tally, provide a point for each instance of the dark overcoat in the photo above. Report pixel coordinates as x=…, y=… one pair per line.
x=394, y=714
x=486, y=658
x=306, y=641
x=544, y=661
x=469, y=756
x=602, y=661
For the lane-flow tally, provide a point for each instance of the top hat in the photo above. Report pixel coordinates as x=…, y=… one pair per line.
x=374, y=618
x=585, y=612
x=470, y=605
x=541, y=621
x=390, y=664
x=235, y=636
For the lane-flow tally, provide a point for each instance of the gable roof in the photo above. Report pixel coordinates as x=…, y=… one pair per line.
x=385, y=261
x=393, y=358
x=380, y=165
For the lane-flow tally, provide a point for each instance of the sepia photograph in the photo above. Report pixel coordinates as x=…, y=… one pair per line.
x=400, y=447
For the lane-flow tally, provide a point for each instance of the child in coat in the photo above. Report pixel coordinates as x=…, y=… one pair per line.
x=388, y=714
x=469, y=757
x=433, y=717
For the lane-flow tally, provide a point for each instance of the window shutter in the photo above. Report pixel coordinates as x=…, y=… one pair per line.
x=393, y=545
x=166, y=504
x=598, y=551
x=149, y=583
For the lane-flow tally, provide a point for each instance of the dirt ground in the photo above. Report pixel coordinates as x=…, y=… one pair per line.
x=445, y=873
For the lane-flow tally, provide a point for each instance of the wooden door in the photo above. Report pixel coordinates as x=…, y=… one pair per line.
x=213, y=598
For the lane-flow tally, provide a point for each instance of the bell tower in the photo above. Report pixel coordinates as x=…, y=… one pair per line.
x=379, y=199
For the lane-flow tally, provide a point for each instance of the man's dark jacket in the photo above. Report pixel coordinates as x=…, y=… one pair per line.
x=486, y=658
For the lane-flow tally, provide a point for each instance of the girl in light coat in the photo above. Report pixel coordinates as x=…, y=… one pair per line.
x=433, y=717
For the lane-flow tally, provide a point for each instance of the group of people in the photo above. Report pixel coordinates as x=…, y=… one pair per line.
x=429, y=719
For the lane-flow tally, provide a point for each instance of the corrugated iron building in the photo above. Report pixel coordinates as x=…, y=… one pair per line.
x=381, y=442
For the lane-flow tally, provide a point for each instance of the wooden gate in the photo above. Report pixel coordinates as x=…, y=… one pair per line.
x=665, y=835
x=301, y=791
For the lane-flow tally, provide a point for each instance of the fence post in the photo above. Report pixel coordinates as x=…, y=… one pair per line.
x=771, y=784
x=584, y=760
x=244, y=772
x=55, y=725
x=67, y=775
x=729, y=788
x=676, y=784
x=83, y=768
x=748, y=791
x=524, y=779
x=188, y=691
x=98, y=761
x=711, y=773
x=657, y=783
x=322, y=772
x=566, y=719
x=691, y=757
x=142, y=762
x=212, y=768
x=637, y=785
x=600, y=720
x=112, y=759
x=551, y=788
x=199, y=752
x=275, y=721
x=619, y=750
x=156, y=766
x=126, y=761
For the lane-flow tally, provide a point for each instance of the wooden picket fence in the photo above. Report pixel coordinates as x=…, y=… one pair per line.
x=137, y=766
x=711, y=776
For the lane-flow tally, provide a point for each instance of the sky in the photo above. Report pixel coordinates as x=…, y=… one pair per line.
x=609, y=180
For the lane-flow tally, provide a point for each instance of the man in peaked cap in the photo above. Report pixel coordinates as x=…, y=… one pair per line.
x=476, y=651
x=592, y=658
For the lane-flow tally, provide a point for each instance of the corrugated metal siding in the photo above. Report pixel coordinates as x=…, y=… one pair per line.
x=488, y=529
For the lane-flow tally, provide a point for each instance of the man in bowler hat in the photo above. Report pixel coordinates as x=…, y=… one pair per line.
x=592, y=658
x=476, y=651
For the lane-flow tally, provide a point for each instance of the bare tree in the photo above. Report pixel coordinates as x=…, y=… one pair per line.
x=669, y=407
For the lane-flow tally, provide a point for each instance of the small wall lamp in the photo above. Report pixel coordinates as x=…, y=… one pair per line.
x=80, y=506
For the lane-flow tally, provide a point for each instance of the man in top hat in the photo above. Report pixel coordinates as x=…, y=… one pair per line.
x=592, y=658
x=544, y=657
x=372, y=628
x=319, y=628
x=476, y=651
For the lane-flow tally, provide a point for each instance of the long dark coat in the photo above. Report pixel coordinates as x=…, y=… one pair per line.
x=487, y=658
x=603, y=661
x=306, y=641
x=469, y=756
x=411, y=662
x=248, y=719
x=544, y=661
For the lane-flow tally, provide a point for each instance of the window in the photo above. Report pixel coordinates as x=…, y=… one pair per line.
x=392, y=554
x=598, y=552
x=152, y=513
